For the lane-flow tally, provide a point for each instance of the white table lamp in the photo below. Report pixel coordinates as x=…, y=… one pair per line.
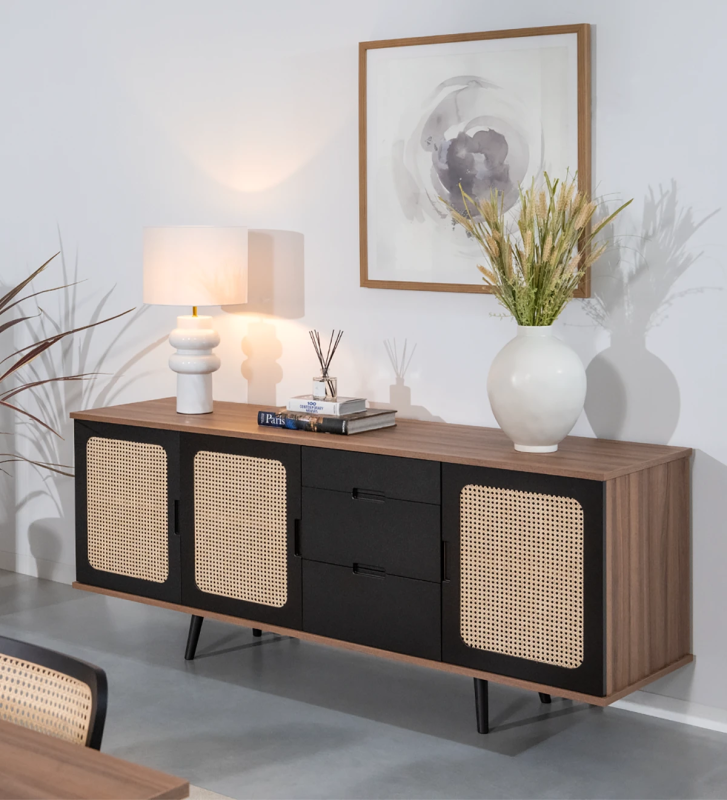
x=195, y=266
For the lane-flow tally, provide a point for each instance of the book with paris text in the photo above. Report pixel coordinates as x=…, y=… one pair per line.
x=369, y=420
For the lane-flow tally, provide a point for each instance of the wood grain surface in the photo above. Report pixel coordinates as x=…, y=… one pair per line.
x=577, y=457
x=648, y=588
x=34, y=765
x=421, y=662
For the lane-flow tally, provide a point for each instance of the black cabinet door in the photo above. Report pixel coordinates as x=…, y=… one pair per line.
x=523, y=590
x=127, y=487
x=239, y=511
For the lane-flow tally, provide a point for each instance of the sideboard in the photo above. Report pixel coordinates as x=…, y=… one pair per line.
x=565, y=573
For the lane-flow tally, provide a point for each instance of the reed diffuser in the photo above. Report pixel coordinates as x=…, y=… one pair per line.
x=325, y=387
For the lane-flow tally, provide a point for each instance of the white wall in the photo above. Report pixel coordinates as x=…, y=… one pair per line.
x=121, y=114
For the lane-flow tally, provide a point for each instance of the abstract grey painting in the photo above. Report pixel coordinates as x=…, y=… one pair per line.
x=442, y=118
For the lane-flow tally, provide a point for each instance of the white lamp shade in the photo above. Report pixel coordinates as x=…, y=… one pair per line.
x=195, y=266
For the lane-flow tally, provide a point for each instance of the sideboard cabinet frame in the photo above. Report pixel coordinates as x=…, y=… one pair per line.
x=635, y=498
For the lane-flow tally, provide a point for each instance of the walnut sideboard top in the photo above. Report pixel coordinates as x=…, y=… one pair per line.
x=577, y=457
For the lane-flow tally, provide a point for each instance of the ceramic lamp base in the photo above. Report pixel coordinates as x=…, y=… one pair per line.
x=194, y=362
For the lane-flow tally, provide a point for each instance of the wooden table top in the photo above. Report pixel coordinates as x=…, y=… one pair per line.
x=577, y=457
x=35, y=765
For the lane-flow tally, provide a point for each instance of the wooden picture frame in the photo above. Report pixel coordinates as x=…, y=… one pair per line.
x=579, y=61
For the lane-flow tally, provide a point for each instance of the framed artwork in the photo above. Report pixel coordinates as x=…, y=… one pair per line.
x=482, y=111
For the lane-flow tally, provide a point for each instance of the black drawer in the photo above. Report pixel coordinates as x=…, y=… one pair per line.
x=389, y=613
x=367, y=475
x=400, y=537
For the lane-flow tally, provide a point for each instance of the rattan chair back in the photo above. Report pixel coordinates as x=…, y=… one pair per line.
x=52, y=693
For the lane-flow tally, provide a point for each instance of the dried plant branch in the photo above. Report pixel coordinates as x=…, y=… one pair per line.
x=24, y=387
x=37, y=294
x=40, y=347
x=17, y=321
x=535, y=270
x=10, y=458
x=19, y=410
x=25, y=356
x=13, y=293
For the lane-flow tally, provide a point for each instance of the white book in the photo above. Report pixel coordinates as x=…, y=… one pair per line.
x=333, y=408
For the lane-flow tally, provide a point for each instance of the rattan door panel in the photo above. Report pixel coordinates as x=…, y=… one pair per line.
x=523, y=590
x=239, y=512
x=521, y=574
x=126, y=496
x=240, y=509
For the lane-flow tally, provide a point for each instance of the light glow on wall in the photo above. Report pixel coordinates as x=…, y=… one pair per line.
x=250, y=124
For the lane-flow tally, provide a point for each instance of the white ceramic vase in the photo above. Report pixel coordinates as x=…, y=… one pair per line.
x=537, y=387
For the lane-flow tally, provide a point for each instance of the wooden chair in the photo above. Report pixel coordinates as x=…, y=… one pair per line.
x=52, y=693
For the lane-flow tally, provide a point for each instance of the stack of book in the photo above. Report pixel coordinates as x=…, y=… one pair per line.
x=345, y=415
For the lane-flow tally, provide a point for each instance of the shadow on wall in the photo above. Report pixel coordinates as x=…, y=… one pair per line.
x=260, y=369
x=629, y=299
x=49, y=538
x=399, y=392
x=276, y=288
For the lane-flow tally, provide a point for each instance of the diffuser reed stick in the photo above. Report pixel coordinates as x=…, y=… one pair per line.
x=325, y=360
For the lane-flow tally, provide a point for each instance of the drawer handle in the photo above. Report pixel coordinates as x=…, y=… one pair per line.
x=372, y=497
x=369, y=572
x=296, y=537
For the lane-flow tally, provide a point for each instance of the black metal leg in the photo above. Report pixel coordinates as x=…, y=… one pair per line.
x=482, y=706
x=544, y=698
x=195, y=626
x=257, y=632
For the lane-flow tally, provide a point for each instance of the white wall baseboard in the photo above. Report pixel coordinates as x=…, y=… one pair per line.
x=27, y=564
x=663, y=707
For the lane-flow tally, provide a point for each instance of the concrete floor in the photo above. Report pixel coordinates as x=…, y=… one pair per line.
x=278, y=718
